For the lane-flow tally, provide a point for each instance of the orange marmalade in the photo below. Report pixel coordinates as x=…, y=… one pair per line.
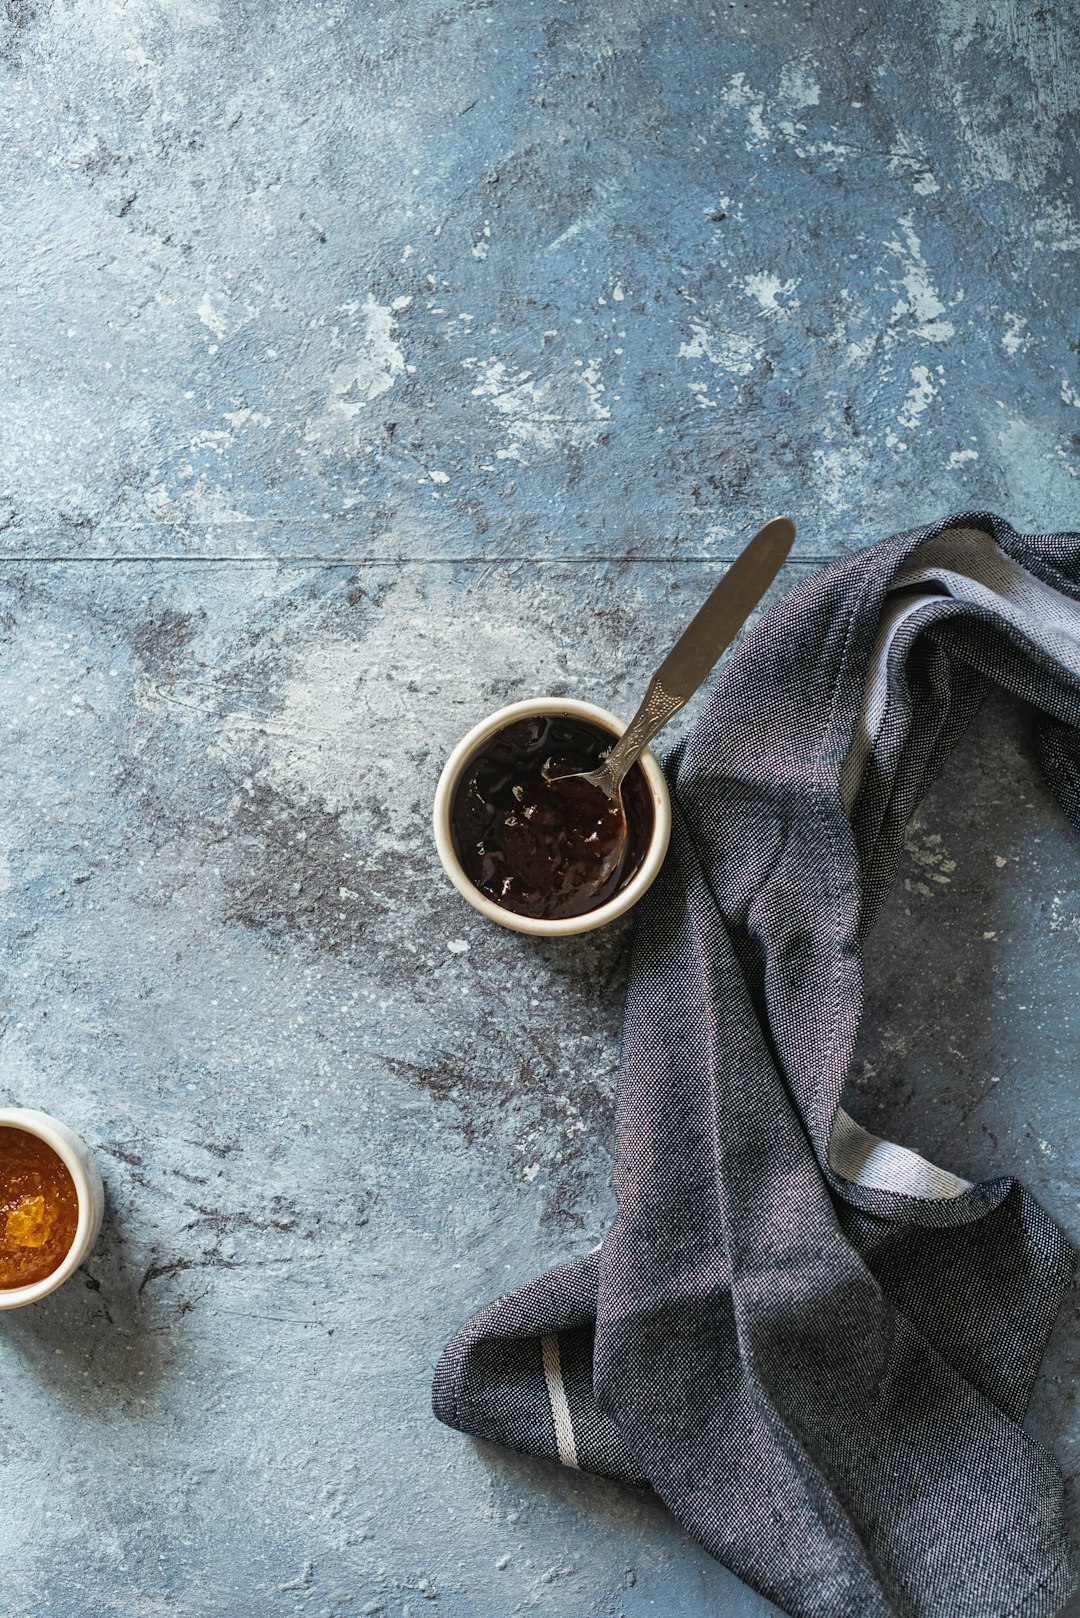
x=39, y=1209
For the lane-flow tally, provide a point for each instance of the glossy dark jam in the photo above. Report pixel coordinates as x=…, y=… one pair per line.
x=537, y=846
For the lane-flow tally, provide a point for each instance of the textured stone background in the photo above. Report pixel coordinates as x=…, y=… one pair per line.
x=365, y=366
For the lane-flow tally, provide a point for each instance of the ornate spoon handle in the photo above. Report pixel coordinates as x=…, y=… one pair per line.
x=697, y=649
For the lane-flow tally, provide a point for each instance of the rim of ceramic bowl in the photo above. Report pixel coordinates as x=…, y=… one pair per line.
x=55, y=1134
x=463, y=755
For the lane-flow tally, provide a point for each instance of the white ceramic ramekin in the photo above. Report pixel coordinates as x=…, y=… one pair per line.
x=75, y=1154
x=463, y=755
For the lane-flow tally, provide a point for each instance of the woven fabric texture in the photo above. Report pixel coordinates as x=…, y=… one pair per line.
x=815, y=1346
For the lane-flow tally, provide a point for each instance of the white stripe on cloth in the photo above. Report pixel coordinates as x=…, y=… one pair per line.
x=560, y=1409
x=881, y=1165
x=970, y=566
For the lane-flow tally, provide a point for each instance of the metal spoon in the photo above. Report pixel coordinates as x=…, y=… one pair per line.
x=693, y=655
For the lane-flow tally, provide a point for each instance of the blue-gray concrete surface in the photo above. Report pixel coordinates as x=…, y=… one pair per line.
x=365, y=366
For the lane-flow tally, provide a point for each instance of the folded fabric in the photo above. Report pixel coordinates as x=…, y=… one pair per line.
x=815, y=1346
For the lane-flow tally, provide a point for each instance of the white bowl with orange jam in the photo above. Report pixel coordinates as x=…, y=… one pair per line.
x=51, y=1204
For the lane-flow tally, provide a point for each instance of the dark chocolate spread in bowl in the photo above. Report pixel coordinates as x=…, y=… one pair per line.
x=537, y=845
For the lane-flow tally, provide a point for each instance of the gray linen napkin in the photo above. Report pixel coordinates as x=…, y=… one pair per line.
x=814, y=1345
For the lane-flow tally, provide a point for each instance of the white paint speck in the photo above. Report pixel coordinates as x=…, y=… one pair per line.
x=357, y=382
x=594, y=387
x=211, y=315
x=859, y=350
x=203, y=501
x=543, y=413
x=921, y=303
x=798, y=87
x=237, y=418
x=919, y=396
x=767, y=290
x=458, y=946
x=1016, y=336
x=739, y=95
x=732, y=351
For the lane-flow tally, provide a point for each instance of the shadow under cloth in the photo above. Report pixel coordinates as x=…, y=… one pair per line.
x=815, y=1346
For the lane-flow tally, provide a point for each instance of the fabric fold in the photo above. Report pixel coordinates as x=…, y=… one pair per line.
x=812, y=1344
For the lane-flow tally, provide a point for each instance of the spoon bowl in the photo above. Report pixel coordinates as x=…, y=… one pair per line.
x=593, y=798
